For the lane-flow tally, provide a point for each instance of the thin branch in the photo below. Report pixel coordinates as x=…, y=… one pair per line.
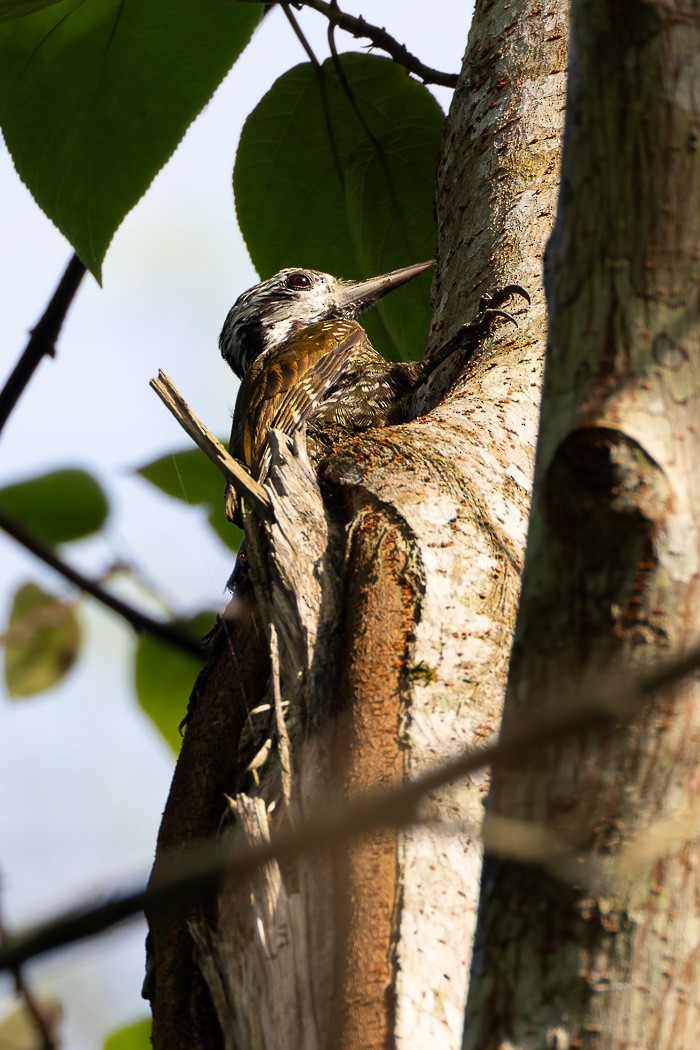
x=349, y=94
x=42, y=339
x=357, y=110
x=357, y=27
x=44, y=1029
x=329, y=824
x=299, y=33
x=169, y=633
x=49, y=1041
x=323, y=90
x=237, y=476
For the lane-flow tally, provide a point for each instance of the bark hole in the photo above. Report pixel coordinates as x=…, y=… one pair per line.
x=606, y=502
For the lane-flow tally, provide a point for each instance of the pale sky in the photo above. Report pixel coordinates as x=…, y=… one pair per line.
x=83, y=774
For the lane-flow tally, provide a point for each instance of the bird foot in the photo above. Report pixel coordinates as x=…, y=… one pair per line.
x=490, y=307
x=477, y=329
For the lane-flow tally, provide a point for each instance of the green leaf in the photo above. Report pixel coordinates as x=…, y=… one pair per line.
x=136, y=1036
x=187, y=475
x=95, y=96
x=42, y=642
x=355, y=203
x=190, y=477
x=10, y=9
x=164, y=677
x=58, y=507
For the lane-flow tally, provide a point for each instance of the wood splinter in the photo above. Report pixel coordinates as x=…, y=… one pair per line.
x=239, y=478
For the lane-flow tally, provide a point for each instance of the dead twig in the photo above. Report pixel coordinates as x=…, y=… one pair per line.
x=283, y=745
x=47, y=1037
x=237, y=476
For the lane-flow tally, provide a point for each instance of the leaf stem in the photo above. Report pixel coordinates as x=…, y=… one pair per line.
x=358, y=27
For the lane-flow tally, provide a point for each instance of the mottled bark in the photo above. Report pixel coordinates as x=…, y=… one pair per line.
x=392, y=592
x=608, y=957
x=460, y=477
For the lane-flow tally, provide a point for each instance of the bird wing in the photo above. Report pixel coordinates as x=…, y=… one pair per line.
x=283, y=387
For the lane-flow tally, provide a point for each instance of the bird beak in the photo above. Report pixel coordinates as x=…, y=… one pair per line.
x=361, y=294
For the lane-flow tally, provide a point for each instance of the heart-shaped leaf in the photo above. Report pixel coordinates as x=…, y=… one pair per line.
x=95, y=96
x=317, y=185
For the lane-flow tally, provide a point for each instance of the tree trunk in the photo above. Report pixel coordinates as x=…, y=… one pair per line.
x=598, y=946
x=391, y=593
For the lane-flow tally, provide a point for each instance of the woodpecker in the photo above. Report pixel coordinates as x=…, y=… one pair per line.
x=302, y=357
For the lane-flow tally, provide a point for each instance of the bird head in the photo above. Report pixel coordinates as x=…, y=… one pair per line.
x=267, y=314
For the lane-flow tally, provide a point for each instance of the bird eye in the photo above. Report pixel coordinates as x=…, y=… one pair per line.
x=298, y=280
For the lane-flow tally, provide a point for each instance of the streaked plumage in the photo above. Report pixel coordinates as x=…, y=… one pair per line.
x=329, y=374
x=303, y=358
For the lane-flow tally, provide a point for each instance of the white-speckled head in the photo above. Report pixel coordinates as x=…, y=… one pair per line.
x=266, y=315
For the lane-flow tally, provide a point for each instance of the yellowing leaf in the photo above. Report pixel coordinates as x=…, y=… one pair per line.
x=41, y=643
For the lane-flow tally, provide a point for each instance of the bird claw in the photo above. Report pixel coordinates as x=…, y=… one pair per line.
x=490, y=314
x=499, y=296
x=489, y=310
